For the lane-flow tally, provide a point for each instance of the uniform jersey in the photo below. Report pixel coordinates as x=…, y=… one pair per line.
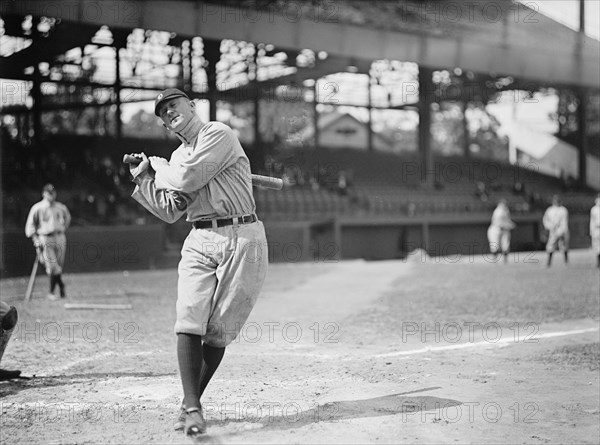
x=501, y=218
x=212, y=175
x=556, y=220
x=47, y=218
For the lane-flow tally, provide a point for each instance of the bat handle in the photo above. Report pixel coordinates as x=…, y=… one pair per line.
x=131, y=159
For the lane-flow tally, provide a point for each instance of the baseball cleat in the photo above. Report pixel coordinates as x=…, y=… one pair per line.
x=195, y=425
x=52, y=297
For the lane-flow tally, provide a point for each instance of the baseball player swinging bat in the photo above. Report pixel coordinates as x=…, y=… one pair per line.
x=257, y=180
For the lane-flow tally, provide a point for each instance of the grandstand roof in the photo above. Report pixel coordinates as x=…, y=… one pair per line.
x=499, y=36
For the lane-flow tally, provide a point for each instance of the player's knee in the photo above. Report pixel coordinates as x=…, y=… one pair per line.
x=9, y=320
x=219, y=342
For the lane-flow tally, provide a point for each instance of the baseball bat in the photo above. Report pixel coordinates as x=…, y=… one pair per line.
x=257, y=180
x=32, y=277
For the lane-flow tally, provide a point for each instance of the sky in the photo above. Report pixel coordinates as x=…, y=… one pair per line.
x=567, y=13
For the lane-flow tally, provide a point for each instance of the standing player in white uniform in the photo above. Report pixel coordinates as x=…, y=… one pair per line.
x=499, y=231
x=595, y=229
x=46, y=225
x=556, y=221
x=224, y=258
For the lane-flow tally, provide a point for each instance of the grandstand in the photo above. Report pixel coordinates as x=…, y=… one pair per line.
x=68, y=81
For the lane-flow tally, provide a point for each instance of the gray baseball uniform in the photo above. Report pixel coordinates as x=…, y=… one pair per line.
x=48, y=221
x=222, y=265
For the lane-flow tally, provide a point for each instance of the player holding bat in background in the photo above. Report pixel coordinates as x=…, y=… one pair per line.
x=46, y=225
x=224, y=258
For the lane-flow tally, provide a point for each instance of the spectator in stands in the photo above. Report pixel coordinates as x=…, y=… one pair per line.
x=595, y=229
x=342, y=185
x=519, y=188
x=481, y=191
x=500, y=230
x=556, y=222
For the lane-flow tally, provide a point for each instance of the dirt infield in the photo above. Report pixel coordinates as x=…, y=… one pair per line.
x=454, y=350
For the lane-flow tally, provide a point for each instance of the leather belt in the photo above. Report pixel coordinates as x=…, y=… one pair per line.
x=53, y=233
x=214, y=223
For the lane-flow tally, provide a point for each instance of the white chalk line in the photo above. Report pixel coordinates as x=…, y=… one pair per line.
x=428, y=349
x=98, y=356
x=425, y=350
x=500, y=342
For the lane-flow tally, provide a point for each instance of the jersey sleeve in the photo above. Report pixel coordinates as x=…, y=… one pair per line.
x=167, y=205
x=213, y=153
x=32, y=223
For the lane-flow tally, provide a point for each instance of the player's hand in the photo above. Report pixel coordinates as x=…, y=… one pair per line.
x=140, y=168
x=157, y=162
x=36, y=242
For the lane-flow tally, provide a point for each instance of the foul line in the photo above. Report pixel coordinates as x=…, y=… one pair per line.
x=501, y=342
x=486, y=343
x=99, y=356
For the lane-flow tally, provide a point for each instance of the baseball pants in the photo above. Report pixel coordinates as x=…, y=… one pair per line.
x=498, y=239
x=221, y=273
x=53, y=253
x=556, y=242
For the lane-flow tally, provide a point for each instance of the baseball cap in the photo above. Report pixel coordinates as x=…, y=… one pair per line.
x=167, y=94
x=48, y=188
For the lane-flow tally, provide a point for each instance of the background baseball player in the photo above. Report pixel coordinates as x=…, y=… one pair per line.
x=8, y=321
x=499, y=231
x=46, y=225
x=595, y=229
x=223, y=259
x=556, y=221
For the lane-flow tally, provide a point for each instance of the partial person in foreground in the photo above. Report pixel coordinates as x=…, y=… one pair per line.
x=499, y=230
x=595, y=229
x=47, y=222
x=8, y=321
x=224, y=258
x=556, y=222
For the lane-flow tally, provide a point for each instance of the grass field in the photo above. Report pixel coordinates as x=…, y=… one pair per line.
x=427, y=350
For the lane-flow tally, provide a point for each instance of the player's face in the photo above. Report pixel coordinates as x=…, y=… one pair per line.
x=49, y=196
x=176, y=112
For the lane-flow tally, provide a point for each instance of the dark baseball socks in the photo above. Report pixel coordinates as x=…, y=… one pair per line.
x=57, y=279
x=197, y=365
x=189, y=355
x=211, y=360
x=566, y=256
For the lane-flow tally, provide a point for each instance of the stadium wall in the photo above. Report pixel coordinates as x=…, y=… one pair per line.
x=100, y=248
